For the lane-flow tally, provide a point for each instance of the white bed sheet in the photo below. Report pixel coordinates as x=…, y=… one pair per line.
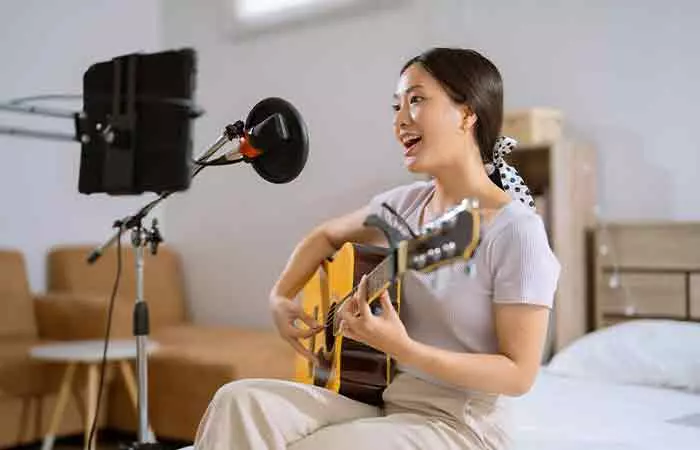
x=575, y=414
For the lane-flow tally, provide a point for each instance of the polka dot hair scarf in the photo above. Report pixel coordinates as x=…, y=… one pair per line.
x=505, y=175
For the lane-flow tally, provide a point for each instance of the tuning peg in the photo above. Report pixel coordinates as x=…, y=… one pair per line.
x=437, y=254
x=419, y=261
x=449, y=249
x=432, y=256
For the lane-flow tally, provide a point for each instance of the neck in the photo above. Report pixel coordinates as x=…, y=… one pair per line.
x=458, y=182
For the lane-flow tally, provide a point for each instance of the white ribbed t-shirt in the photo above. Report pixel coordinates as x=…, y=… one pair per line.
x=452, y=309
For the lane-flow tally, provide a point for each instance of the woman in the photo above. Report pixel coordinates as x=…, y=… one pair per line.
x=463, y=341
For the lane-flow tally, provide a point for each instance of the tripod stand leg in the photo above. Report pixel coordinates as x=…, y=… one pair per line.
x=130, y=382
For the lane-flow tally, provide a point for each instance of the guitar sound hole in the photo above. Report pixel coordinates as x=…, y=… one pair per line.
x=322, y=371
x=376, y=308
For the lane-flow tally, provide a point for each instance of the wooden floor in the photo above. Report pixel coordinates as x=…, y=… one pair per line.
x=107, y=441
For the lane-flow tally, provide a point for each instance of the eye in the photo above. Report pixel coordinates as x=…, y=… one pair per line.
x=416, y=99
x=396, y=107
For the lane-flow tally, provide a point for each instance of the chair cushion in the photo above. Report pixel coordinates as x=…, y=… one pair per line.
x=16, y=309
x=250, y=353
x=22, y=376
x=68, y=271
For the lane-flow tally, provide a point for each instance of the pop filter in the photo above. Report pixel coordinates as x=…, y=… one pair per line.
x=281, y=160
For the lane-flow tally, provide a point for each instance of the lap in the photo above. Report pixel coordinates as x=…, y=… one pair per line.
x=290, y=396
x=296, y=408
x=395, y=431
x=284, y=414
x=276, y=411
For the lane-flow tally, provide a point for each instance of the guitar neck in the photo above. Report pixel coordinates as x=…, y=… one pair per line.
x=377, y=280
x=380, y=277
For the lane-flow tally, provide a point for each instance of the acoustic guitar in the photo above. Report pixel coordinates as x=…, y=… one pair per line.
x=350, y=367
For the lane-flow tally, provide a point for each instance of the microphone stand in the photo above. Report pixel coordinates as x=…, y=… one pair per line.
x=140, y=237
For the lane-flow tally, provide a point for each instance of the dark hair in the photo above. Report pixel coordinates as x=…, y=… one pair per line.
x=472, y=80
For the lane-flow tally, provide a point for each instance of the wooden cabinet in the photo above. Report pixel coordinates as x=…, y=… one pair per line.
x=561, y=174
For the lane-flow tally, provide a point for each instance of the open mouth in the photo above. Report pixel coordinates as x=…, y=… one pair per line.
x=411, y=143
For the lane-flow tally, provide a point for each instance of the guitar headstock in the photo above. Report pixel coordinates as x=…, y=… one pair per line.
x=453, y=236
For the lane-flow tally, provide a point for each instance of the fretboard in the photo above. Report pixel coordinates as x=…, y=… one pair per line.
x=377, y=280
x=380, y=276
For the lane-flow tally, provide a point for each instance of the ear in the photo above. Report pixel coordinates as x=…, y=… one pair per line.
x=468, y=119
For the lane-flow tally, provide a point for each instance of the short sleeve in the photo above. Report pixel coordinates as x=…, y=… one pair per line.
x=403, y=199
x=392, y=197
x=524, y=266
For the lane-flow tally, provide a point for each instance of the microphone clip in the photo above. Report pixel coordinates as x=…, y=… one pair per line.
x=235, y=130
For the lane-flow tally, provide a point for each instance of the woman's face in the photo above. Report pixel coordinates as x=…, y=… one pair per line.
x=433, y=130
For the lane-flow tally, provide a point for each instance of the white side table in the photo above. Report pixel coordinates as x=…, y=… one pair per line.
x=87, y=354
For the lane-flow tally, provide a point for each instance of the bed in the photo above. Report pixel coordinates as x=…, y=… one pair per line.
x=566, y=413
x=632, y=382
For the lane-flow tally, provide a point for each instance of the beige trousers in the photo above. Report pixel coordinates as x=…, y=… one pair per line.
x=261, y=414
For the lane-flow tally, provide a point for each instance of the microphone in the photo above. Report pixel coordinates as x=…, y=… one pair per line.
x=274, y=140
x=264, y=135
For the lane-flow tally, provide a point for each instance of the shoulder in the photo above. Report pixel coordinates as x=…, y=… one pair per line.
x=403, y=198
x=516, y=222
x=518, y=233
x=524, y=267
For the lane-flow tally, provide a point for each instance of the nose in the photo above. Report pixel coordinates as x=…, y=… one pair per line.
x=402, y=118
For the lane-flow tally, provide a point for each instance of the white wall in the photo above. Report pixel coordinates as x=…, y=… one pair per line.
x=44, y=49
x=235, y=230
x=624, y=73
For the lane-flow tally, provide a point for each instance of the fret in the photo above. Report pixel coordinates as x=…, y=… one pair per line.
x=381, y=275
x=376, y=279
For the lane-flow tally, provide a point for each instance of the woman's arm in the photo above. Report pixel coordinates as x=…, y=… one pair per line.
x=525, y=270
x=520, y=329
x=521, y=332
x=321, y=243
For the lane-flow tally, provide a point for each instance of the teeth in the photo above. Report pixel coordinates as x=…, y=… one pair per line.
x=408, y=139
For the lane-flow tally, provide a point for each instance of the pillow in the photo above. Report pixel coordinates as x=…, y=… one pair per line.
x=661, y=353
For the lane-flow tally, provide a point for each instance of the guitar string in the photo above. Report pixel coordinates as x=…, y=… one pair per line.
x=341, y=303
x=413, y=234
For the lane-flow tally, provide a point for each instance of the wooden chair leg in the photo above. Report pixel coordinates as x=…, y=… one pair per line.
x=80, y=401
x=91, y=404
x=57, y=414
x=25, y=417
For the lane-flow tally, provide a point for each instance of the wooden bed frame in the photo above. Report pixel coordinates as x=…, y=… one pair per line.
x=644, y=270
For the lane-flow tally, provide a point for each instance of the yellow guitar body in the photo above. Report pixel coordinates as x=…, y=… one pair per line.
x=350, y=368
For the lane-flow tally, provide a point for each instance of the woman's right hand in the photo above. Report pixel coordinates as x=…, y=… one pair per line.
x=287, y=314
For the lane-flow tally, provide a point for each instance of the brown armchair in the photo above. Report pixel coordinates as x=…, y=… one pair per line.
x=27, y=388
x=192, y=361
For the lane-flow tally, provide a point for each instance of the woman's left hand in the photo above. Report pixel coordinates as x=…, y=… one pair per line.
x=384, y=332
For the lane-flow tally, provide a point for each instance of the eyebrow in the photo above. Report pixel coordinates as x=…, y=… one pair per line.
x=411, y=88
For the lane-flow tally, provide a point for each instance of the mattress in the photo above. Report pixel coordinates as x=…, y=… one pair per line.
x=575, y=414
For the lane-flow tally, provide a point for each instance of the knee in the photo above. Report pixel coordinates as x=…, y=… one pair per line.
x=238, y=391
